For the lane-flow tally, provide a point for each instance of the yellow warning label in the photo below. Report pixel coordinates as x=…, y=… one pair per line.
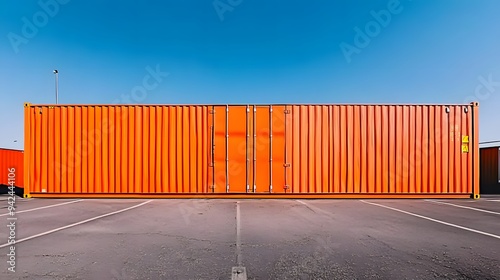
x=465, y=148
x=465, y=138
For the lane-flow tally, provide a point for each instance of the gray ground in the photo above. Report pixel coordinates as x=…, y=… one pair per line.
x=278, y=239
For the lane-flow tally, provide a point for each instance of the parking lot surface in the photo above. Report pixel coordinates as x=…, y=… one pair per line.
x=267, y=239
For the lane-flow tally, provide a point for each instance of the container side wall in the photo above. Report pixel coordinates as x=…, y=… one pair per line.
x=117, y=149
x=11, y=159
x=408, y=149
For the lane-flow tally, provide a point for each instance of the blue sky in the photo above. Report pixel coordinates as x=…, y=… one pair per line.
x=242, y=51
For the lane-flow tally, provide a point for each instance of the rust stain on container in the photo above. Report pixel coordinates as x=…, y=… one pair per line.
x=12, y=159
x=251, y=150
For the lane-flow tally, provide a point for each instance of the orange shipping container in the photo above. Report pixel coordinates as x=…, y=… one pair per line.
x=350, y=151
x=11, y=167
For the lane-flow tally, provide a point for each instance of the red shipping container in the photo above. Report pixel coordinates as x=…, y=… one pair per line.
x=11, y=159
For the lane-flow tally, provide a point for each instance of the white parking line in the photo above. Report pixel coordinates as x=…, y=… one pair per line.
x=239, y=272
x=434, y=220
x=465, y=207
x=75, y=224
x=238, y=233
x=44, y=207
x=494, y=200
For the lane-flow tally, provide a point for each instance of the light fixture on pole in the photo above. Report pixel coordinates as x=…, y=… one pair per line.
x=57, y=85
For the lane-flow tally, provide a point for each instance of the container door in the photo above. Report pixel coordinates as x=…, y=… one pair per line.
x=268, y=149
x=229, y=149
x=261, y=150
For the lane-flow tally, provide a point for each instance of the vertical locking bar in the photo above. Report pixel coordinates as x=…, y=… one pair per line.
x=213, y=148
x=330, y=160
x=271, y=148
x=227, y=148
x=286, y=151
x=254, y=147
x=246, y=148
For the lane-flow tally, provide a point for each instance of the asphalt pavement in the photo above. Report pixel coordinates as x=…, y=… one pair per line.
x=268, y=239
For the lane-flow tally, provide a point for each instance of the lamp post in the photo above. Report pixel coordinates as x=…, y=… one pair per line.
x=57, y=85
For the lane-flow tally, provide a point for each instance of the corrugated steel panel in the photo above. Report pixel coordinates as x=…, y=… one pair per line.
x=117, y=149
x=11, y=159
x=489, y=177
x=328, y=150
x=381, y=149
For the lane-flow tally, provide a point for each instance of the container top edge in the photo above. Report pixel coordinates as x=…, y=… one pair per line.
x=251, y=104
